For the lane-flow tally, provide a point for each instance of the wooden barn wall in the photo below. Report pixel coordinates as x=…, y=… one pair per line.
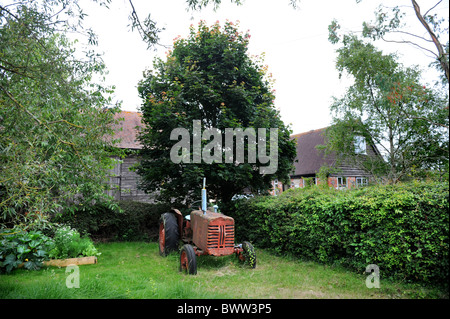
x=125, y=182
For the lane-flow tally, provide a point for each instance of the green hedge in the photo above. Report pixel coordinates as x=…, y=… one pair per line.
x=404, y=229
x=136, y=221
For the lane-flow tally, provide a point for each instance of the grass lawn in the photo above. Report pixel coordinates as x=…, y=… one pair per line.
x=136, y=271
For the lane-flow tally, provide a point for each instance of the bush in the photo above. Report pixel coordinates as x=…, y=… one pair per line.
x=19, y=247
x=134, y=221
x=69, y=244
x=404, y=229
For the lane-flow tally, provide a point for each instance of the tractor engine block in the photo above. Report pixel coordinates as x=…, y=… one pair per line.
x=213, y=233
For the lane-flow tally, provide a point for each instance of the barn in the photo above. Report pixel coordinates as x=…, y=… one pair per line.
x=124, y=181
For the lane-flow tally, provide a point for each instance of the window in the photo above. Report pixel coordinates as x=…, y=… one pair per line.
x=295, y=183
x=361, y=181
x=360, y=145
x=276, y=189
x=341, y=182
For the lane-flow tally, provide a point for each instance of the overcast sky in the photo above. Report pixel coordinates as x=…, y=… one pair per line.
x=295, y=43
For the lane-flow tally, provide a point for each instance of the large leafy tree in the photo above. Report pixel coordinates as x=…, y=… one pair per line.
x=210, y=78
x=389, y=107
x=53, y=117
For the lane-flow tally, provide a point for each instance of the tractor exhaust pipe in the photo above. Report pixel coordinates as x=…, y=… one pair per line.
x=204, y=196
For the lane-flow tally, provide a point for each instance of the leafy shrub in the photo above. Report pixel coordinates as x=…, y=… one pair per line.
x=69, y=244
x=404, y=229
x=133, y=222
x=19, y=247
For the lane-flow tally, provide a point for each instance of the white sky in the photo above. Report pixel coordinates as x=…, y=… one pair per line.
x=295, y=42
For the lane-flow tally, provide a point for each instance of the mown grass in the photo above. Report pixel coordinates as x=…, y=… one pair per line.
x=136, y=271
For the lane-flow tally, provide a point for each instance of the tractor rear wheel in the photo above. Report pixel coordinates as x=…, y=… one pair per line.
x=168, y=234
x=249, y=254
x=188, y=260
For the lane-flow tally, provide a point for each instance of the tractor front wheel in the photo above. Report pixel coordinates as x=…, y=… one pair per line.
x=188, y=260
x=168, y=234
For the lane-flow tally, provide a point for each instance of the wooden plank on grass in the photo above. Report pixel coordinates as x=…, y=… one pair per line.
x=71, y=261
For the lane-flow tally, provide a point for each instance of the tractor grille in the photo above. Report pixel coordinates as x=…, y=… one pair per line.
x=220, y=236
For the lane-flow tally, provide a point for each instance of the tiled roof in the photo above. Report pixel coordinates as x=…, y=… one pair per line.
x=129, y=129
x=310, y=159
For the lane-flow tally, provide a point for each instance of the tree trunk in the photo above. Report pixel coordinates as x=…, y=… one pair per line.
x=441, y=55
x=391, y=157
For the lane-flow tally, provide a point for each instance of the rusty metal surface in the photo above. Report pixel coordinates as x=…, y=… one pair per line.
x=213, y=232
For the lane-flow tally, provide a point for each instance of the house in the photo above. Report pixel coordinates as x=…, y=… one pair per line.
x=309, y=161
x=123, y=180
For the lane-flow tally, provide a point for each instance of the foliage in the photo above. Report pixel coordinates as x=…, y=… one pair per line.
x=403, y=228
x=54, y=115
x=210, y=78
x=390, y=27
x=133, y=221
x=391, y=109
x=68, y=243
x=31, y=248
x=19, y=247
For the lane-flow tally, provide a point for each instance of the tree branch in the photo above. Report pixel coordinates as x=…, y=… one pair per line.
x=432, y=7
x=410, y=42
x=21, y=106
x=375, y=104
x=147, y=37
x=411, y=34
x=438, y=45
x=68, y=123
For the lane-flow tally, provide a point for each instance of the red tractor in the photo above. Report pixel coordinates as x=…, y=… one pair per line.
x=203, y=232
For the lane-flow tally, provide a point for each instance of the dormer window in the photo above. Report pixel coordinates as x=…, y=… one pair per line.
x=360, y=145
